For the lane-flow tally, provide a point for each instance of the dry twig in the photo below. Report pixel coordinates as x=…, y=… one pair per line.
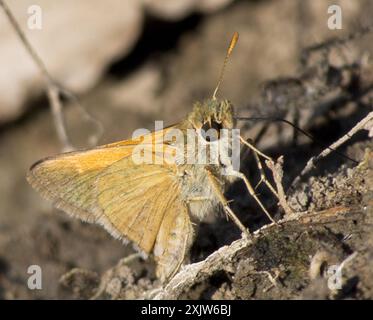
x=220, y=259
x=277, y=177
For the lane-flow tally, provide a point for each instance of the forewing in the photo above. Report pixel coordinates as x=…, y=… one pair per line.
x=68, y=179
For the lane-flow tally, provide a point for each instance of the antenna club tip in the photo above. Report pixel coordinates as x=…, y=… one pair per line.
x=233, y=42
x=229, y=51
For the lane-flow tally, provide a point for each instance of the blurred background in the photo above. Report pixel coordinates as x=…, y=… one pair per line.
x=133, y=62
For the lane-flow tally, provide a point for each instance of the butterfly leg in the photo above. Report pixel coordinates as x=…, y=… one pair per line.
x=196, y=199
x=252, y=193
x=251, y=146
x=263, y=177
x=220, y=195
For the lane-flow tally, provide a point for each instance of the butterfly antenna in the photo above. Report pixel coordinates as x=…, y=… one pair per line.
x=229, y=51
x=298, y=129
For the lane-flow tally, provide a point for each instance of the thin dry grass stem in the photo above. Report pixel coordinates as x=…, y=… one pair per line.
x=272, y=279
x=54, y=90
x=366, y=123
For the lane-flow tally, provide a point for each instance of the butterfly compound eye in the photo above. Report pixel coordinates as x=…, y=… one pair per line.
x=211, y=132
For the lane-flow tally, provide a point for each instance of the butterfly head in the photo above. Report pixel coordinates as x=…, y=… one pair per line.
x=212, y=114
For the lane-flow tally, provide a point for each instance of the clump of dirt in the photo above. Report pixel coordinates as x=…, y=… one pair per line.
x=345, y=187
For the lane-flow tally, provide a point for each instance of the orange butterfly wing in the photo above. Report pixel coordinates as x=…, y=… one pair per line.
x=103, y=185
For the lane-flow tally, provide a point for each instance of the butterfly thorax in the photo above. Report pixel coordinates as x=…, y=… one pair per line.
x=203, y=154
